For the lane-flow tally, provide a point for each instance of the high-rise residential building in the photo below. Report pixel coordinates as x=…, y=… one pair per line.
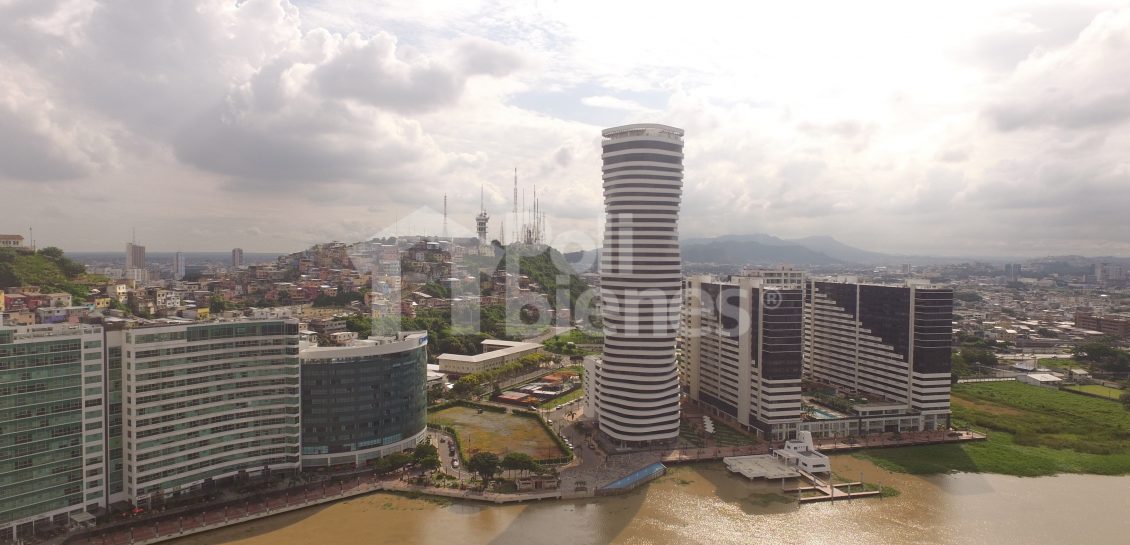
x=205, y=402
x=741, y=347
x=135, y=256
x=1107, y=273
x=1012, y=271
x=363, y=401
x=888, y=345
x=52, y=459
x=114, y=341
x=178, y=266
x=637, y=387
x=237, y=258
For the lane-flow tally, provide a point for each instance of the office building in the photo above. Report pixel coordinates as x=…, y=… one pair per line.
x=637, y=388
x=52, y=459
x=741, y=348
x=363, y=401
x=236, y=258
x=206, y=402
x=886, y=347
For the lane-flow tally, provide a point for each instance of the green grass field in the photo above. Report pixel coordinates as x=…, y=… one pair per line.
x=1058, y=363
x=725, y=436
x=687, y=433
x=1032, y=431
x=1099, y=390
x=499, y=433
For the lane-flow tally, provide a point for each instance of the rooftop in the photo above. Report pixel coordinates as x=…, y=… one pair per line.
x=643, y=129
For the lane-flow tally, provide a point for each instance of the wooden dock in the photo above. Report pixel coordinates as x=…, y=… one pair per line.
x=828, y=491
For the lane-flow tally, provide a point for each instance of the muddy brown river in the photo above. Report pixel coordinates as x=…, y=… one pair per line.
x=707, y=505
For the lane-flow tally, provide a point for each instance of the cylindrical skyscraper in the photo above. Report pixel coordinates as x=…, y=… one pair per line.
x=637, y=385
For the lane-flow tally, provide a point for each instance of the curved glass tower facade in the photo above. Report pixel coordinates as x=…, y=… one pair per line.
x=363, y=401
x=637, y=387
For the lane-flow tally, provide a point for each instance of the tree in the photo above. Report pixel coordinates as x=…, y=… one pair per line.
x=485, y=464
x=465, y=386
x=959, y=367
x=436, y=392
x=517, y=461
x=360, y=324
x=973, y=355
x=1104, y=353
x=424, y=450
x=429, y=463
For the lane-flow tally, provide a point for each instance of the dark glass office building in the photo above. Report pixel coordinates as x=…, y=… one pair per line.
x=363, y=401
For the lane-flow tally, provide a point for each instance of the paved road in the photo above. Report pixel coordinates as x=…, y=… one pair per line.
x=445, y=458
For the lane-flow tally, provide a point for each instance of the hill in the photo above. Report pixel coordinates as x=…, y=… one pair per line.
x=541, y=264
x=48, y=269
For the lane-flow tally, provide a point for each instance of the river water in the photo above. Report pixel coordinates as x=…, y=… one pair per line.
x=707, y=505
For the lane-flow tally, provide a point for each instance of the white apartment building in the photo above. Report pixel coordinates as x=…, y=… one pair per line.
x=209, y=401
x=637, y=387
x=741, y=349
x=889, y=345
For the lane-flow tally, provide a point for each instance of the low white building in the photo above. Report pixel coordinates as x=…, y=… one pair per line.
x=496, y=353
x=1040, y=379
x=801, y=453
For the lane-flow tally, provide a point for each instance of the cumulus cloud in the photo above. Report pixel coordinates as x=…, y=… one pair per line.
x=373, y=71
x=341, y=119
x=236, y=89
x=41, y=144
x=1079, y=86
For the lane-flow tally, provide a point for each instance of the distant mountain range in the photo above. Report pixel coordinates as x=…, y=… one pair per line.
x=760, y=249
x=764, y=249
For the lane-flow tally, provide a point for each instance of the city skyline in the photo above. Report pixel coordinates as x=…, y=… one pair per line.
x=965, y=130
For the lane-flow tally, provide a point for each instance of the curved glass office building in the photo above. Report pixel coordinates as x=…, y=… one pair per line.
x=363, y=401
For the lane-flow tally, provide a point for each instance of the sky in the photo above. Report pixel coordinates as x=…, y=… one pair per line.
x=961, y=128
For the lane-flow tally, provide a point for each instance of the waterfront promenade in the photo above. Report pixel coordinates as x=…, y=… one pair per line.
x=579, y=480
x=162, y=528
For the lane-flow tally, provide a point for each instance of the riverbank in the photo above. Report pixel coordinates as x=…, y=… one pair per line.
x=703, y=504
x=1032, y=431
